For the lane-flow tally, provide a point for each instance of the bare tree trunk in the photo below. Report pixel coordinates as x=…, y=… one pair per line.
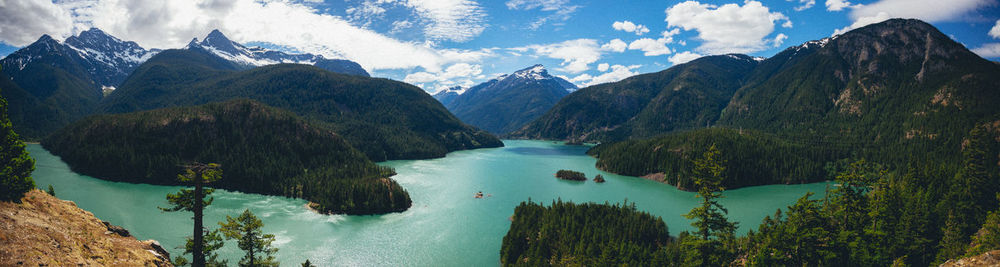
x=198, y=254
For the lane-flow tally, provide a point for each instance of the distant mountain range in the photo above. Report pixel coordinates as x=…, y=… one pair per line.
x=447, y=95
x=218, y=44
x=50, y=83
x=897, y=93
x=507, y=102
x=888, y=82
x=686, y=96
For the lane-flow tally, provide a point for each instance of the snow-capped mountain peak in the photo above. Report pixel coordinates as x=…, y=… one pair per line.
x=217, y=43
x=445, y=96
x=453, y=89
x=536, y=72
x=107, y=59
x=220, y=42
x=101, y=47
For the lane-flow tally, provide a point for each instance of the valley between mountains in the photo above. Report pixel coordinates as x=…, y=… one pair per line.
x=887, y=135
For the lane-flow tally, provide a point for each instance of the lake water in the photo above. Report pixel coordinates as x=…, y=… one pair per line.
x=445, y=227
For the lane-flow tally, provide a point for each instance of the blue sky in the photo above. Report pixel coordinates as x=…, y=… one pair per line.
x=440, y=43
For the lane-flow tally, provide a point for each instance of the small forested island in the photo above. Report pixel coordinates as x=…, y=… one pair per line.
x=571, y=175
x=587, y=234
x=599, y=179
x=262, y=150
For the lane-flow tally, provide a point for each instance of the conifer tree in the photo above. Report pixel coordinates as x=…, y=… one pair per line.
x=193, y=200
x=989, y=237
x=246, y=230
x=968, y=198
x=714, y=230
x=212, y=242
x=15, y=164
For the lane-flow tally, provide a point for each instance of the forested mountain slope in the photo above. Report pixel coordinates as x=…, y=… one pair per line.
x=685, y=96
x=385, y=119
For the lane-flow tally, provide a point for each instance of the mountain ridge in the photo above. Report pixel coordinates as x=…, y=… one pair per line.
x=505, y=103
x=612, y=111
x=383, y=118
x=249, y=57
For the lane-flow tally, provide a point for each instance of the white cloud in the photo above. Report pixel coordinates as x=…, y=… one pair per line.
x=400, y=25
x=545, y=5
x=460, y=74
x=628, y=26
x=651, y=47
x=454, y=20
x=683, y=57
x=995, y=31
x=729, y=28
x=366, y=12
x=615, y=45
x=861, y=22
x=806, y=4
x=778, y=40
x=617, y=73
x=603, y=67
x=450, y=20
x=23, y=21
x=926, y=10
x=989, y=50
x=579, y=79
x=838, y=5
x=577, y=54
x=563, y=10
x=298, y=26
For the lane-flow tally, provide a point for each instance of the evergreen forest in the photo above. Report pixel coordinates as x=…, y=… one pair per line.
x=263, y=150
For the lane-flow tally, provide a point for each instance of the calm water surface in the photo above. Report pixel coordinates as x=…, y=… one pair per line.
x=445, y=227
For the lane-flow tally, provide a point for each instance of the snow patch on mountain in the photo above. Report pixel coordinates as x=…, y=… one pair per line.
x=220, y=45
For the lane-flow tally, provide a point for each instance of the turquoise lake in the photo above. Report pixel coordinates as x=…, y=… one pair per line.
x=446, y=226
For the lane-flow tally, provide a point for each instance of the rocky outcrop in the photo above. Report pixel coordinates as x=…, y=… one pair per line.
x=45, y=231
x=991, y=258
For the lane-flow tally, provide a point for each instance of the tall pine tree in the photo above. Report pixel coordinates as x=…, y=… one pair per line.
x=714, y=231
x=15, y=164
x=193, y=200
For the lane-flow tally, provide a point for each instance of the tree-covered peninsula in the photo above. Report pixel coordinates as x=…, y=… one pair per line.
x=751, y=158
x=262, y=149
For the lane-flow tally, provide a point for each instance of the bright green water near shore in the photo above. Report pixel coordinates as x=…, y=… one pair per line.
x=445, y=227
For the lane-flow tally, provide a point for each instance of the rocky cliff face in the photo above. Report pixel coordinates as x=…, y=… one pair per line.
x=45, y=231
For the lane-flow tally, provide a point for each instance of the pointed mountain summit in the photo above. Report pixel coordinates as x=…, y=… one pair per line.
x=109, y=59
x=447, y=95
x=93, y=55
x=537, y=73
x=505, y=103
x=53, y=83
x=248, y=57
x=898, y=81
